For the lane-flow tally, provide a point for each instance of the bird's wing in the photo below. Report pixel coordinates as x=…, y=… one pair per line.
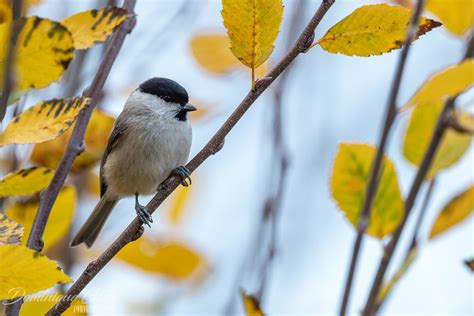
x=115, y=139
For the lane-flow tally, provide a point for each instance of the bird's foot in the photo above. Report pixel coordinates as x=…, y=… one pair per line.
x=184, y=173
x=143, y=214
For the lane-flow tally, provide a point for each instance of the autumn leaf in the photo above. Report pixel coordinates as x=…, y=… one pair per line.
x=11, y=232
x=457, y=16
x=42, y=306
x=470, y=264
x=24, y=271
x=349, y=178
x=180, y=198
x=251, y=305
x=211, y=51
x=60, y=219
x=170, y=259
x=44, y=121
x=372, y=30
x=453, y=213
x=49, y=153
x=93, y=26
x=25, y=181
x=252, y=27
x=445, y=84
x=418, y=135
x=44, y=51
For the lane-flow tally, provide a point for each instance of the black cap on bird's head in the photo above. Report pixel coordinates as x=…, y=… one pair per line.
x=169, y=91
x=166, y=89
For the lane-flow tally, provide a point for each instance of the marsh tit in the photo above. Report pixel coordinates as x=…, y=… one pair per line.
x=150, y=140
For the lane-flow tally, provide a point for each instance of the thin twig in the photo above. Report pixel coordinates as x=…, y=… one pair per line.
x=271, y=212
x=416, y=234
x=75, y=145
x=425, y=164
x=391, y=112
x=8, y=78
x=135, y=229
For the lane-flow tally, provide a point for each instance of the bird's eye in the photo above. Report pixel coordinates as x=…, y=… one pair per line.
x=167, y=98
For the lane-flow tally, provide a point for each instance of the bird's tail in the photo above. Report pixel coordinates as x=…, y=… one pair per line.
x=92, y=227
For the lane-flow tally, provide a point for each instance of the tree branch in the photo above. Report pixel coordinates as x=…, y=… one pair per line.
x=135, y=229
x=75, y=145
x=8, y=79
x=372, y=184
x=440, y=129
x=416, y=232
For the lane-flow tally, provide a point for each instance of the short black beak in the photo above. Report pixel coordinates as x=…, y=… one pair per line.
x=189, y=107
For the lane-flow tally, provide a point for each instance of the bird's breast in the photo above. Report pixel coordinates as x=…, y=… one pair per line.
x=146, y=157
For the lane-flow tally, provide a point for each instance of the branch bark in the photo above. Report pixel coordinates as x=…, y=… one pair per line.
x=391, y=113
x=441, y=125
x=8, y=79
x=75, y=145
x=134, y=229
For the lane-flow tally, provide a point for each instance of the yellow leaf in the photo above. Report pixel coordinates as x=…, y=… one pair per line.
x=252, y=26
x=420, y=130
x=25, y=271
x=350, y=174
x=90, y=27
x=372, y=30
x=44, y=121
x=10, y=231
x=60, y=219
x=453, y=213
x=251, y=305
x=25, y=181
x=44, y=51
x=470, y=264
x=40, y=304
x=49, y=153
x=93, y=184
x=211, y=51
x=447, y=83
x=5, y=11
x=457, y=16
x=178, y=204
x=171, y=259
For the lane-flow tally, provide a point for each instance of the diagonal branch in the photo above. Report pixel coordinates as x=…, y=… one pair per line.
x=441, y=125
x=135, y=229
x=8, y=78
x=391, y=113
x=75, y=145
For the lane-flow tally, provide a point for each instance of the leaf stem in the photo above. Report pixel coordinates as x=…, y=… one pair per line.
x=8, y=78
x=211, y=148
x=391, y=112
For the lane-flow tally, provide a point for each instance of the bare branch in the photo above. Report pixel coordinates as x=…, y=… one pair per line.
x=423, y=169
x=209, y=149
x=372, y=184
x=8, y=79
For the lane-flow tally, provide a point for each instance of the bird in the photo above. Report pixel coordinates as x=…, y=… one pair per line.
x=150, y=140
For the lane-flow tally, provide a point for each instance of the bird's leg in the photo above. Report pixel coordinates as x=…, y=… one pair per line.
x=184, y=173
x=142, y=212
